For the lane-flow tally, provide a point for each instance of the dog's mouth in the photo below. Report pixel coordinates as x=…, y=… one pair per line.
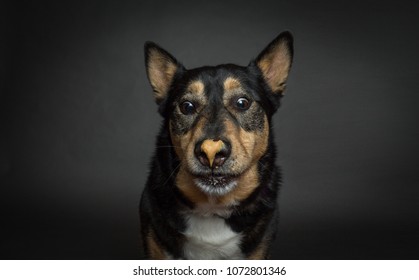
x=216, y=185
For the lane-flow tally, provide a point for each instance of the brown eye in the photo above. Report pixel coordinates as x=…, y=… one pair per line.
x=187, y=108
x=242, y=103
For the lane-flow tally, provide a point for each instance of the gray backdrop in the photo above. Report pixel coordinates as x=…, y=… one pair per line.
x=79, y=121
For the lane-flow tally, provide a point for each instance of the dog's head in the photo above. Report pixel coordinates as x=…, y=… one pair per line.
x=219, y=117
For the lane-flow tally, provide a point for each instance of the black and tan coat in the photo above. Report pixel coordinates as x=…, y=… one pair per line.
x=212, y=189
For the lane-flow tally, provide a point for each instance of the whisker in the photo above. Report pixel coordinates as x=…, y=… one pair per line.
x=171, y=174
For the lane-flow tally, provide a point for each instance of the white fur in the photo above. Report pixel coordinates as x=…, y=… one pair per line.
x=209, y=237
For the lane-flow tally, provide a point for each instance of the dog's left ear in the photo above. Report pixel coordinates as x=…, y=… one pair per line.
x=275, y=62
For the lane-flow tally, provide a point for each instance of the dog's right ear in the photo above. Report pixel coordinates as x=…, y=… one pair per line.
x=161, y=68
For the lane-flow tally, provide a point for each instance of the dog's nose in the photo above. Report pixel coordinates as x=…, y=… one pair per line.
x=212, y=152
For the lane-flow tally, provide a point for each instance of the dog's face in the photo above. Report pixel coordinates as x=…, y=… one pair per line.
x=219, y=117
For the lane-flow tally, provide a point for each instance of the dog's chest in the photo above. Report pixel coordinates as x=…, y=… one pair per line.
x=209, y=237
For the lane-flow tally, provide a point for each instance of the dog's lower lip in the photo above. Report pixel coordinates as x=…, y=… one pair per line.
x=218, y=176
x=217, y=180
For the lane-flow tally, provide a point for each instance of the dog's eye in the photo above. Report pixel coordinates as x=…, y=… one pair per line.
x=242, y=103
x=187, y=108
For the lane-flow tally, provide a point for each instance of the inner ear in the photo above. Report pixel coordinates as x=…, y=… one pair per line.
x=275, y=61
x=161, y=69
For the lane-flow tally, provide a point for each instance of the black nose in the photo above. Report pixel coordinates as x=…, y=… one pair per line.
x=212, y=152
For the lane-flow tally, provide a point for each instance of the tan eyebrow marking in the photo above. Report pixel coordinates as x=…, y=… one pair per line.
x=231, y=83
x=196, y=87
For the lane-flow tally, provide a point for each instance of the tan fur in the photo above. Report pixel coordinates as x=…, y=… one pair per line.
x=275, y=66
x=231, y=84
x=247, y=183
x=181, y=142
x=196, y=87
x=161, y=71
x=232, y=87
x=248, y=148
x=156, y=252
x=195, y=92
x=184, y=146
x=184, y=181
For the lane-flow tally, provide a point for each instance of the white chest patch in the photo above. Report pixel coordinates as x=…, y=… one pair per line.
x=209, y=238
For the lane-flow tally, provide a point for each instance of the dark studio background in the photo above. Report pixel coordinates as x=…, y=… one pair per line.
x=79, y=121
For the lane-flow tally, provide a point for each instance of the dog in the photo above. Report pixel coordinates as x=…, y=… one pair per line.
x=212, y=188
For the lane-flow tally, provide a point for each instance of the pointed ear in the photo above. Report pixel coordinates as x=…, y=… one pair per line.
x=275, y=61
x=161, y=68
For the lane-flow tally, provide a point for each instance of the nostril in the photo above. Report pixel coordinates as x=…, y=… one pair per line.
x=225, y=151
x=218, y=161
x=202, y=157
x=221, y=157
x=212, y=153
x=222, y=154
